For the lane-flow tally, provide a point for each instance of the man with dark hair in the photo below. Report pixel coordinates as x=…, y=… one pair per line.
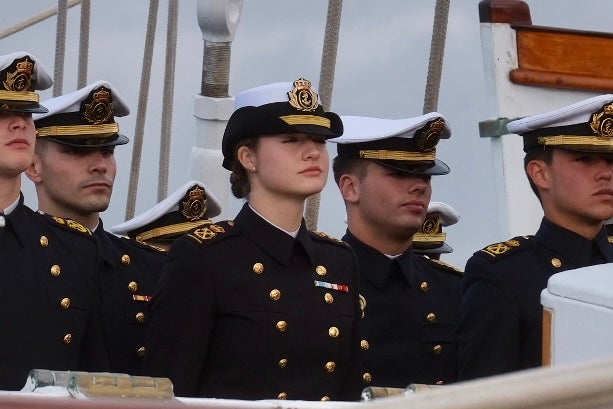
x=383, y=170
x=50, y=315
x=569, y=163
x=74, y=171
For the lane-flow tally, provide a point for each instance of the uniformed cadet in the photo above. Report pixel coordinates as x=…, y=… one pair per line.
x=569, y=164
x=383, y=169
x=259, y=307
x=74, y=170
x=430, y=239
x=189, y=207
x=50, y=317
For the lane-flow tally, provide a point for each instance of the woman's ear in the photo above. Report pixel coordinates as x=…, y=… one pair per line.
x=246, y=157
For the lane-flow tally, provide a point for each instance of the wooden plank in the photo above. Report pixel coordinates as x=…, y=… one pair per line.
x=562, y=58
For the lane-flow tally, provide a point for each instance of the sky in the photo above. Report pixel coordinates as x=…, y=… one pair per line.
x=381, y=71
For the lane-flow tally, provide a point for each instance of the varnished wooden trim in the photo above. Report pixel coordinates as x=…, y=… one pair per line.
x=547, y=328
x=504, y=11
x=560, y=58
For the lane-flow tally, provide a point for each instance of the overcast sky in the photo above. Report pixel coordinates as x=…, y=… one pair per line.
x=381, y=71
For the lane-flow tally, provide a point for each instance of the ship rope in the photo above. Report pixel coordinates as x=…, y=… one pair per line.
x=141, y=112
x=326, y=82
x=167, y=99
x=84, y=43
x=60, y=47
x=437, y=51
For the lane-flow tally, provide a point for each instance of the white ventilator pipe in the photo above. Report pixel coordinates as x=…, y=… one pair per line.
x=218, y=20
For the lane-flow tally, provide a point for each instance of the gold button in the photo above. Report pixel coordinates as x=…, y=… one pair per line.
x=333, y=332
x=275, y=295
x=44, y=241
x=329, y=298
x=321, y=270
x=258, y=268
x=556, y=262
x=439, y=382
x=282, y=395
x=431, y=317
x=281, y=326
x=140, y=317
x=423, y=287
x=367, y=378
x=55, y=270
x=141, y=351
x=437, y=349
x=67, y=339
x=125, y=259
x=330, y=366
x=364, y=344
x=325, y=398
x=65, y=303
x=133, y=286
x=282, y=363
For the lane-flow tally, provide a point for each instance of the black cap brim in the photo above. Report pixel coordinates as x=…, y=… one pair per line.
x=443, y=249
x=24, y=109
x=93, y=142
x=431, y=168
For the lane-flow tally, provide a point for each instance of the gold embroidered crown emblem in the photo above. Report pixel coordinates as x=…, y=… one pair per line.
x=21, y=78
x=602, y=122
x=195, y=206
x=302, y=97
x=98, y=108
x=429, y=136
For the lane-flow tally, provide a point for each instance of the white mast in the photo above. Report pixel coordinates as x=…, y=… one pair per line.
x=218, y=20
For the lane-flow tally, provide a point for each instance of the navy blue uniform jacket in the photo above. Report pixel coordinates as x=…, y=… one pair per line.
x=245, y=311
x=412, y=307
x=50, y=312
x=500, y=327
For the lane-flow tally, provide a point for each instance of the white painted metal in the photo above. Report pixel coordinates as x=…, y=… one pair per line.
x=581, y=304
x=520, y=212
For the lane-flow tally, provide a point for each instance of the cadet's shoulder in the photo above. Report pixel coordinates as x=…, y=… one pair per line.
x=326, y=238
x=440, y=265
x=211, y=233
x=506, y=250
x=65, y=224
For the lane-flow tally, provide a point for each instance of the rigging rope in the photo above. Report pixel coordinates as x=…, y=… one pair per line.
x=142, y=108
x=84, y=43
x=169, y=82
x=326, y=83
x=33, y=20
x=60, y=47
x=437, y=51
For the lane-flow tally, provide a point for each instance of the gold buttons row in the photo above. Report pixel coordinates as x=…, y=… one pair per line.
x=125, y=260
x=44, y=241
x=281, y=326
x=258, y=268
x=424, y=287
x=431, y=317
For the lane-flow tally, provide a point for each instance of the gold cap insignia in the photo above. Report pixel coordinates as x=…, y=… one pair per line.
x=430, y=135
x=602, y=121
x=195, y=206
x=302, y=97
x=432, y=224
x=21, y=78
x=98, y=108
